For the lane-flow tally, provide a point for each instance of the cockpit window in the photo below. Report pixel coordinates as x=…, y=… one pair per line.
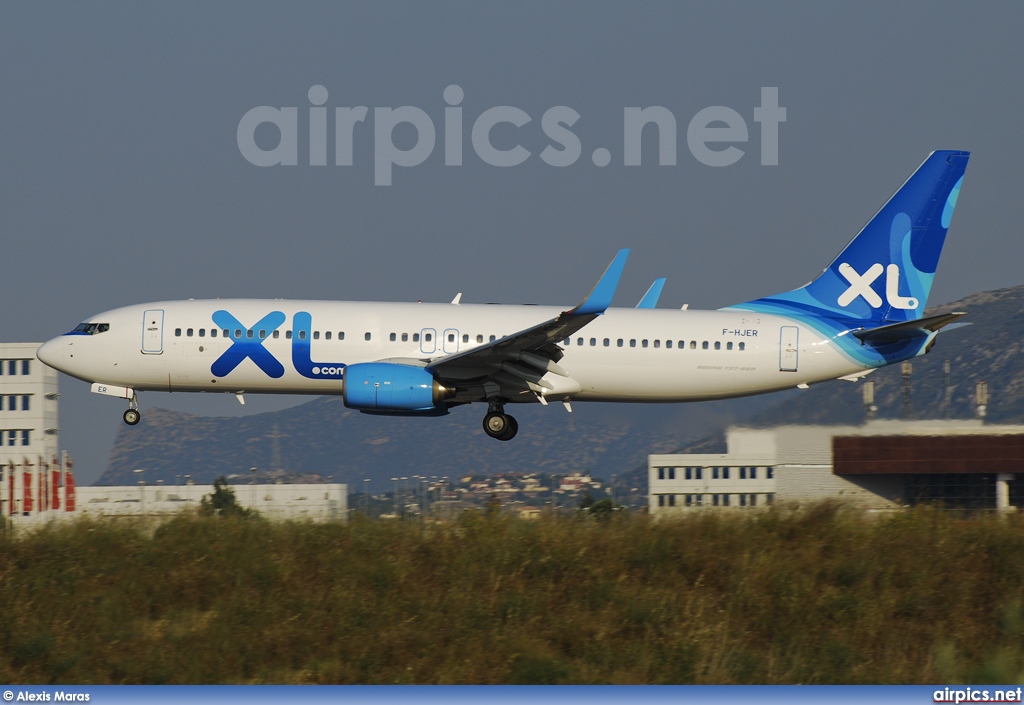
x=92, y=328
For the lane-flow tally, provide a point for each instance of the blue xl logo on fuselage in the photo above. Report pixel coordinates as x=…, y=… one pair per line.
x=247, y=342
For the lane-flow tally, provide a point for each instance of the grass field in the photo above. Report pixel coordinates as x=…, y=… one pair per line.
x=824, y=595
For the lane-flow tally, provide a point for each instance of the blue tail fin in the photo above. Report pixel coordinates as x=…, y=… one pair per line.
x=884, y=275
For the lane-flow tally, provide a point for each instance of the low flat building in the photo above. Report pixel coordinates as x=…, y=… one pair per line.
x=881, y=465
x=307, y=502
x=313, y=502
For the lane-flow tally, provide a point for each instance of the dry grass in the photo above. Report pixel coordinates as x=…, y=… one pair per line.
x=825, y=595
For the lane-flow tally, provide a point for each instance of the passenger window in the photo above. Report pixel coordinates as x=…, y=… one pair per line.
x=263, y=333
x=668, y=344
x=632, y=342
x=393, y=337
x=177, y=332
x=593, y=342
x=465, y=337
x=327, y=335
x=743, y=346
x=227, y=333
x=276, y=334
x=693, y=345
x=202, y=332
x=451, y=337
x=619, y=342
x=213, y=333
x=426, y=337
x=316, y=335
x=188, y=333
x=492, y=339
x=341, y=335
x=728, y=346
x=248, y=334
x=704, y=345
x=415, y=337
x=579, y=341
x=607, y=342
x=657, y=343
x=567, y=341
x=479, y=339
x=302, y=335
x=287, y=335
x=643, y=343
x=238, y=332
x=718, y=345
x=366, y=336
x=405, y=337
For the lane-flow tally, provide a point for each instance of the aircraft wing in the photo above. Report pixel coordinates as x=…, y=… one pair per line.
x=517, y=363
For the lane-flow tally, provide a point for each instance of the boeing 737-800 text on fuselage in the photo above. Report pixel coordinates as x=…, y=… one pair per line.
x=863, y=312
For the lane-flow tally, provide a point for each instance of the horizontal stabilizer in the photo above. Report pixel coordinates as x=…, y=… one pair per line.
x=906, y=330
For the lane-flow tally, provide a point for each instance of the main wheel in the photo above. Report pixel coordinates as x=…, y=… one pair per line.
x=511, y=429
x=496, y=424
x=132, y=417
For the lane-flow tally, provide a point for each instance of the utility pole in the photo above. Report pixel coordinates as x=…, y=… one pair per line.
x=907, y=369
x=869, y=401
x=946, y=404
x=275, y=453
x=981, y=398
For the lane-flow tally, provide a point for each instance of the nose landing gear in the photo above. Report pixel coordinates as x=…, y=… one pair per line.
x=498, y=424
x=132, y=415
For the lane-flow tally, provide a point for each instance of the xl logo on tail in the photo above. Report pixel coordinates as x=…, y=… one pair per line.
x=860, y=285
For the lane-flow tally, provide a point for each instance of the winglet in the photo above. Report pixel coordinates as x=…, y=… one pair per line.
x=650, y=299
x=600, y=297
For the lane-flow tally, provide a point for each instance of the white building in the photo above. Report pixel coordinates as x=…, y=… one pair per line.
x=883, y=464
x=28, y=420
x=28, y=405
x=742, y=477
x=312, y=502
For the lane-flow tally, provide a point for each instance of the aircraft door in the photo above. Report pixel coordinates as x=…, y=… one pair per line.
x=428, y=344
x=789, y=348
x=450, y=342
x=153, y=332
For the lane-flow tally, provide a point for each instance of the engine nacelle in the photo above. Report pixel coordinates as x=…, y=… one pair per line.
x=387, y=386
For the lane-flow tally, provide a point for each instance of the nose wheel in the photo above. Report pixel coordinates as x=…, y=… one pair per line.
x=498, y=424
x=132, y=415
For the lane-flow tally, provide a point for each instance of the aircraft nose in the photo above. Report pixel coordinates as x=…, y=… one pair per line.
x=51, y=353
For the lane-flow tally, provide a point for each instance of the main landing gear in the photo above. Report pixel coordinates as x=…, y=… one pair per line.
x=132, y=416
x=498, y=424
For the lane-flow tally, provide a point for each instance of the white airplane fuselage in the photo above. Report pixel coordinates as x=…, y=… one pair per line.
x=625, y=355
